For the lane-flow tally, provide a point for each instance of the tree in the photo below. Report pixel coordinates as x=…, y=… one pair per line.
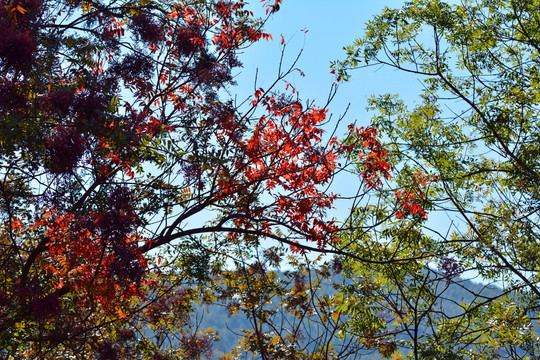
x=135, y=191
x=468, y=150
x=130, y=181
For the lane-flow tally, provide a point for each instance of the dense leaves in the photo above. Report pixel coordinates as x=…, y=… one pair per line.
x=134, y=189
x=474, y=133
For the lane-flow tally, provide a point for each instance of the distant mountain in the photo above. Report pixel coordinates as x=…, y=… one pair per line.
x=230, y=327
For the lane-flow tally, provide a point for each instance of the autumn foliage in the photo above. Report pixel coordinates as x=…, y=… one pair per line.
x=117, y=138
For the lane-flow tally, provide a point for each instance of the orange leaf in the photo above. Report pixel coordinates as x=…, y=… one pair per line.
x=21, y=9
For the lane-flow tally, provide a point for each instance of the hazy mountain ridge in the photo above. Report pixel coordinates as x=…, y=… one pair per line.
x=454, y=296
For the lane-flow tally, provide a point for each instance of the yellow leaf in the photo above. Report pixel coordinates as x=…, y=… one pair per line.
x=275, y=340
x=86, y=7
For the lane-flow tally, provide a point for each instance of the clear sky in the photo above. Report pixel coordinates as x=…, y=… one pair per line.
x=330, y=26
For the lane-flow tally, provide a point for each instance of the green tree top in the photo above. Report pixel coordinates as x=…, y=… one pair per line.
x=476, y=129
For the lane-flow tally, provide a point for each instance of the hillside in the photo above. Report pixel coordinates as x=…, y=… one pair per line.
x=230, y=327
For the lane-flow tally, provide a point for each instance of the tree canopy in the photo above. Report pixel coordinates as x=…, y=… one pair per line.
x=475, y=129
x=136, y=189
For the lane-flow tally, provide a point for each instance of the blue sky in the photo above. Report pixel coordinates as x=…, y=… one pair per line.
x=330, y=26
